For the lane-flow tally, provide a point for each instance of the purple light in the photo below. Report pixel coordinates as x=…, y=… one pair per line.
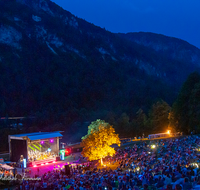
x=51, y=140
x=42, y=142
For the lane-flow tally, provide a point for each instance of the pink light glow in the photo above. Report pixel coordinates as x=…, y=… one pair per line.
x=42, y=142
x=35, y=166
x=54, y=161
x=51, y=140
x=47, y=163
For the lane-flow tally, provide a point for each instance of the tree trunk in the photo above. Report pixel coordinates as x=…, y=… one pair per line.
x=101, y=162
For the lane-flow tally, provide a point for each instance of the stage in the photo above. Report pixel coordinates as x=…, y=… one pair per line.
x=34, y=149
x=42, y=169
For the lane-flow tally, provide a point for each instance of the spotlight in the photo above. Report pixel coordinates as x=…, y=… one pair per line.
x=42, y=142
x=51, y=141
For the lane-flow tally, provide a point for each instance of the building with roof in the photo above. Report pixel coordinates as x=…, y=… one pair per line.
x=34, y=146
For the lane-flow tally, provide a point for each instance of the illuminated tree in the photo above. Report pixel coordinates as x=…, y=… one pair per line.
x=97, y=144
x=95, y=126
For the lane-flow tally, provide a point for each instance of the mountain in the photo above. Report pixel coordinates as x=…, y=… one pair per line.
x=57, y=66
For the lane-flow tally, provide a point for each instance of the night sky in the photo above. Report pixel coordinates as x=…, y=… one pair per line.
x=176, y=18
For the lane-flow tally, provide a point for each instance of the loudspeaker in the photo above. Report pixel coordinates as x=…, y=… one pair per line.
x=58, y=158
x=67, y=170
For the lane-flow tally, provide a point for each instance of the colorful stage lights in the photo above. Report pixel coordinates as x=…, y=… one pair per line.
x=42, y=142
x=34, y=166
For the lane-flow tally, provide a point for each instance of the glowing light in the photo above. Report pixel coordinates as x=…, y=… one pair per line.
x=42, y=142
x=47, y=163
x=168, y=132
x=42, y=164
x=54, y=161
x=138, y=169
x=195, y=164
x=34, y=166
x=49, y=150
x=51, y=141
x=153, y=146
x=62, y=156
x=24, y=162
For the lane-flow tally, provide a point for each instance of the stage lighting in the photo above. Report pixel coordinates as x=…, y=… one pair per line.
x=34, y=166
x=24, y=162
x=42, y=142
x=51, y=141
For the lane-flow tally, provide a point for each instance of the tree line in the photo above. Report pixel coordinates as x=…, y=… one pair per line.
x=182, y=116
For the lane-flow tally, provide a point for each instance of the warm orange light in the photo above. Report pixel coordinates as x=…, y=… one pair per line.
x=168, y=132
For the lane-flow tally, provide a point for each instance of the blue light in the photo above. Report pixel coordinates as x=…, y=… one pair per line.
x=24, y=162
x=63, y=156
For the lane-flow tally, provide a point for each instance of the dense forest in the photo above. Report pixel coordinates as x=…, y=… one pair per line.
x=182, y=116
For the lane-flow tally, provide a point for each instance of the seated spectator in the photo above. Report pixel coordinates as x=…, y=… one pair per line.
x=145, y=186
x=187, y=185
x=169, y=187
x=178, y=187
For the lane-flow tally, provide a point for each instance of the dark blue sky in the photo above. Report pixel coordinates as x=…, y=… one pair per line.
x=177, y=18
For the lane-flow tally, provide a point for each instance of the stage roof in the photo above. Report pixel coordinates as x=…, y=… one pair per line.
x=37, y=136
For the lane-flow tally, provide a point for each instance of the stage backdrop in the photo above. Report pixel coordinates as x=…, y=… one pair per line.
x=18, y=148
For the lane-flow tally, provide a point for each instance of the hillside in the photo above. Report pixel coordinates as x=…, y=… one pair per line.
x=61, y=68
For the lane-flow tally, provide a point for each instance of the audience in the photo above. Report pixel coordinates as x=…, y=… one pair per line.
x=171, y=165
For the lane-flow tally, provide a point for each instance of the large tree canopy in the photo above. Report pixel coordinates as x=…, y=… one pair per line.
x=97, y=144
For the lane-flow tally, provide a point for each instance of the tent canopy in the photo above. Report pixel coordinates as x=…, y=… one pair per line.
x=37, y=136
x=6, y=167
x=45, y=136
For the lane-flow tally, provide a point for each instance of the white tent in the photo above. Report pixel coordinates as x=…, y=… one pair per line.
x=5, y=166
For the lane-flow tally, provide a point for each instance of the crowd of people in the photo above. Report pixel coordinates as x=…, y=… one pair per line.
x=167, y=164
x=5, y=173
